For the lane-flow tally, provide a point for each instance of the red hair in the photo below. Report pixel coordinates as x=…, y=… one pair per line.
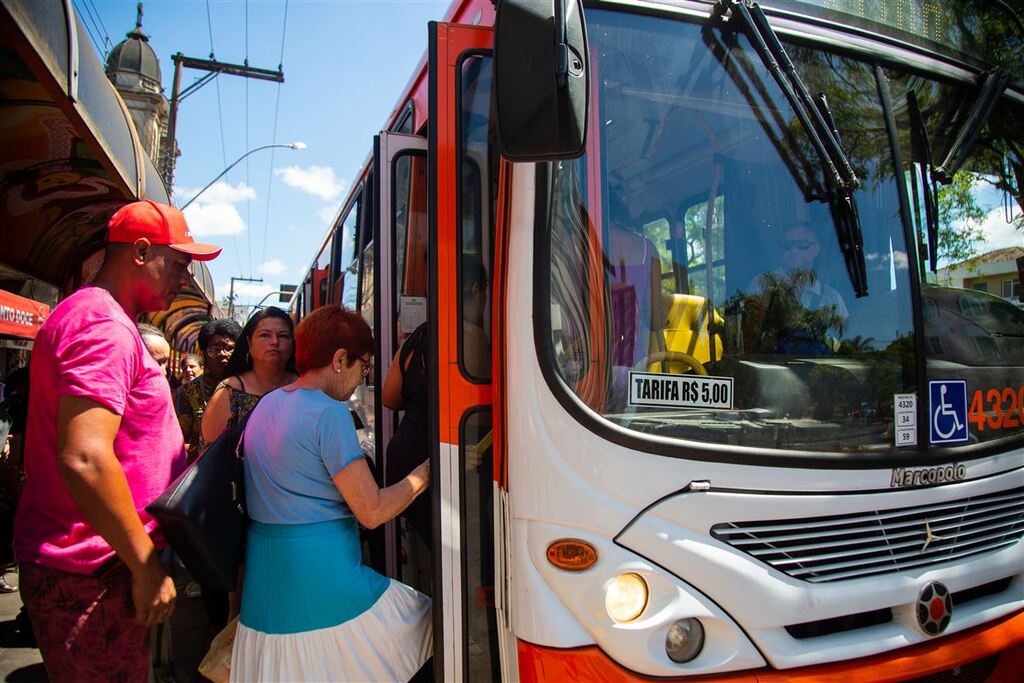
x=327, y=329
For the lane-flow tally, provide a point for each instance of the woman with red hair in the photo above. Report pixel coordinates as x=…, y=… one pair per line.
x=310, y=609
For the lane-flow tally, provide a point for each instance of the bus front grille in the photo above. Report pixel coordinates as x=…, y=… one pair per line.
x=854, y=545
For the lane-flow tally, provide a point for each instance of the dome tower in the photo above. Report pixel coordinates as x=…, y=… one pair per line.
x=132, y=66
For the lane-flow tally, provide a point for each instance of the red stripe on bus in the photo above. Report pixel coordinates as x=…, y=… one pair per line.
x=538, y=663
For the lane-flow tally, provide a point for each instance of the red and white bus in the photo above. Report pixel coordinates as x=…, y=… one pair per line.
x=723, y=413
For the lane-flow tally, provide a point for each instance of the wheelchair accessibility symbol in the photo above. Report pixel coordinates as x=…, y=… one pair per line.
x=947, y=410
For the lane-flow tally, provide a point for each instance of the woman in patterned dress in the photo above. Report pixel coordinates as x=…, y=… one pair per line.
x=311, y=610
x=263, y=360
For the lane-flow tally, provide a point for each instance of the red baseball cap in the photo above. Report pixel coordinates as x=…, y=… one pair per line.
x=160, y=224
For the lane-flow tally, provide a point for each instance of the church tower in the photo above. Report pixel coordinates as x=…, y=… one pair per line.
x=132, y=66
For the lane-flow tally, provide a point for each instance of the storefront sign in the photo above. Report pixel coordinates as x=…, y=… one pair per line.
x=21, y=317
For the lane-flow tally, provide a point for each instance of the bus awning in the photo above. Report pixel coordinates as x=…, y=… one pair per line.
x=69, y=153
x=21, y=317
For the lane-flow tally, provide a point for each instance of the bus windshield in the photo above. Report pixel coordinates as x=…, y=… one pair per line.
x=698, y=289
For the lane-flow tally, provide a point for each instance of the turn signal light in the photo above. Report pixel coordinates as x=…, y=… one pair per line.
x=572, y=554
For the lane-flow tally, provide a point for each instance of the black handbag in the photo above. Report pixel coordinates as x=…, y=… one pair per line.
x=202, y=514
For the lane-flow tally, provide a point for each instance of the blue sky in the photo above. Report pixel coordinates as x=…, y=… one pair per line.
x=345, y=63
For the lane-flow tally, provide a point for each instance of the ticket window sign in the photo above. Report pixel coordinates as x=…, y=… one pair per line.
x=947, y=411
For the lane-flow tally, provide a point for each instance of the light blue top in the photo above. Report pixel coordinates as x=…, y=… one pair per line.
x=295, y=442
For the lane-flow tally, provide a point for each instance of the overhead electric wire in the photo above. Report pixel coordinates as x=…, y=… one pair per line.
x=248, y=183
x=273, y=137
x=103, y=29
x=220, y=108
x=92, y=36
x=220, y=117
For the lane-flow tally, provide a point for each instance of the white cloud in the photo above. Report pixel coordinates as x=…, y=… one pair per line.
x=223, y=193
x=328, y=213
x=208, y=220
x=213, y=212
x=999, y=233
x=319, y=181
x=273, y=267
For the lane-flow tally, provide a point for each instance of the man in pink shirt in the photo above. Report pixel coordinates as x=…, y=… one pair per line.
x=103, y=442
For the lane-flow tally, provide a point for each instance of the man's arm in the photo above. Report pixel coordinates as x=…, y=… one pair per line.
x=96, y=481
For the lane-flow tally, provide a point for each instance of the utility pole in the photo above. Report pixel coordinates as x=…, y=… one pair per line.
x=213, y=68
x=231, y=296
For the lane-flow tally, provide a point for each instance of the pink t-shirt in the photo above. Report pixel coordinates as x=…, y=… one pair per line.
x=89, y=347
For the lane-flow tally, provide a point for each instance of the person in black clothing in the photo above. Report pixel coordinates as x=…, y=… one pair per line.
x=13, y=411
x=405, y=388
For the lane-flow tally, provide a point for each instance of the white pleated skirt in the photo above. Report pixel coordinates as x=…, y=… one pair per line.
x=388, y=643
x=312, y=612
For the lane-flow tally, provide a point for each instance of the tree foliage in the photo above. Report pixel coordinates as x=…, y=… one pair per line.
x=960, y=220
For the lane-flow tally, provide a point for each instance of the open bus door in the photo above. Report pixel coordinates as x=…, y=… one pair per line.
x=400, y=165
x=462, y=165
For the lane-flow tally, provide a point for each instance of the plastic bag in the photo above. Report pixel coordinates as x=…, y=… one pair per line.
x=216, y=665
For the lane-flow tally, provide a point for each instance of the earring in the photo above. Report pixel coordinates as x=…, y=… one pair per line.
x=337, y=369
x=248, y=358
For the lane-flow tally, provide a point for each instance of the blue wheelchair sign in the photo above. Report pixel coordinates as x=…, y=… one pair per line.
x=947, y=411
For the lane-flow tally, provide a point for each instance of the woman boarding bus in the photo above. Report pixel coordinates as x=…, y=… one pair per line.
x=748, y=411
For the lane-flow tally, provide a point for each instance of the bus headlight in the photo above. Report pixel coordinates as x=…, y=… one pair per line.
x=684, y=641
x=625, y=597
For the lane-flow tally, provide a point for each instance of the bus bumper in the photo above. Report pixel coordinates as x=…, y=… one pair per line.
x=996, y=648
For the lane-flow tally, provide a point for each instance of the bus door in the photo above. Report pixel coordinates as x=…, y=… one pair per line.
x=400, y=164
x=462, y=172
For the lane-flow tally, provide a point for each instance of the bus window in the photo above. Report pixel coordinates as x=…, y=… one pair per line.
x=711, y=249
x=700, y=242
x=307, y=295
x=366, y=284
x=404, y=124
x=967, y=322
x=477, y=180
x=409, y=219
x=475, y=442
x=344, y=244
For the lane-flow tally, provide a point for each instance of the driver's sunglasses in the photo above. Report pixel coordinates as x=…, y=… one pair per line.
x=801, y=245
x=367, y=367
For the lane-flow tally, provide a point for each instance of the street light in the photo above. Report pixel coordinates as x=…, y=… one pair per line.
x=293, y=145
x=270, y=294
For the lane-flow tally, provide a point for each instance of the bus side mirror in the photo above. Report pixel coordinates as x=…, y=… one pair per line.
x=541, y=79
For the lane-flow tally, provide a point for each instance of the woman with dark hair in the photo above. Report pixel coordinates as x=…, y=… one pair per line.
x=217, y=340
x=307, y=488
x=263, y=360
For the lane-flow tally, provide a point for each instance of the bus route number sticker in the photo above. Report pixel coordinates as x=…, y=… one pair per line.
x=659, y=390
x=905, y=417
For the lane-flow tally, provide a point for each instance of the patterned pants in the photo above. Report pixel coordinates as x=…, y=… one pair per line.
x=84, y=624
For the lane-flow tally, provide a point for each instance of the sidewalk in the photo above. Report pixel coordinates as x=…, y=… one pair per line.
x=20, y=660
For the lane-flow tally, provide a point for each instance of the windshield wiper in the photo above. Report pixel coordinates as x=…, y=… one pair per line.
x=922, y=150
x=844, y=215
x=992, y=87
x=817, y=123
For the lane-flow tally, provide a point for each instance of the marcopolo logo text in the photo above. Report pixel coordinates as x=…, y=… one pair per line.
x=924, y=476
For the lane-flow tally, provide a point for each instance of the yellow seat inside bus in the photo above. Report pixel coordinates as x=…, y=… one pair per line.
x=686, y=331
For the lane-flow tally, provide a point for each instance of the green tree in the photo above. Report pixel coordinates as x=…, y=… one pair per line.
x=960, y=219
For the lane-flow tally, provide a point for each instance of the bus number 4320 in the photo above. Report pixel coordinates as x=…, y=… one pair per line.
x=997, y=408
